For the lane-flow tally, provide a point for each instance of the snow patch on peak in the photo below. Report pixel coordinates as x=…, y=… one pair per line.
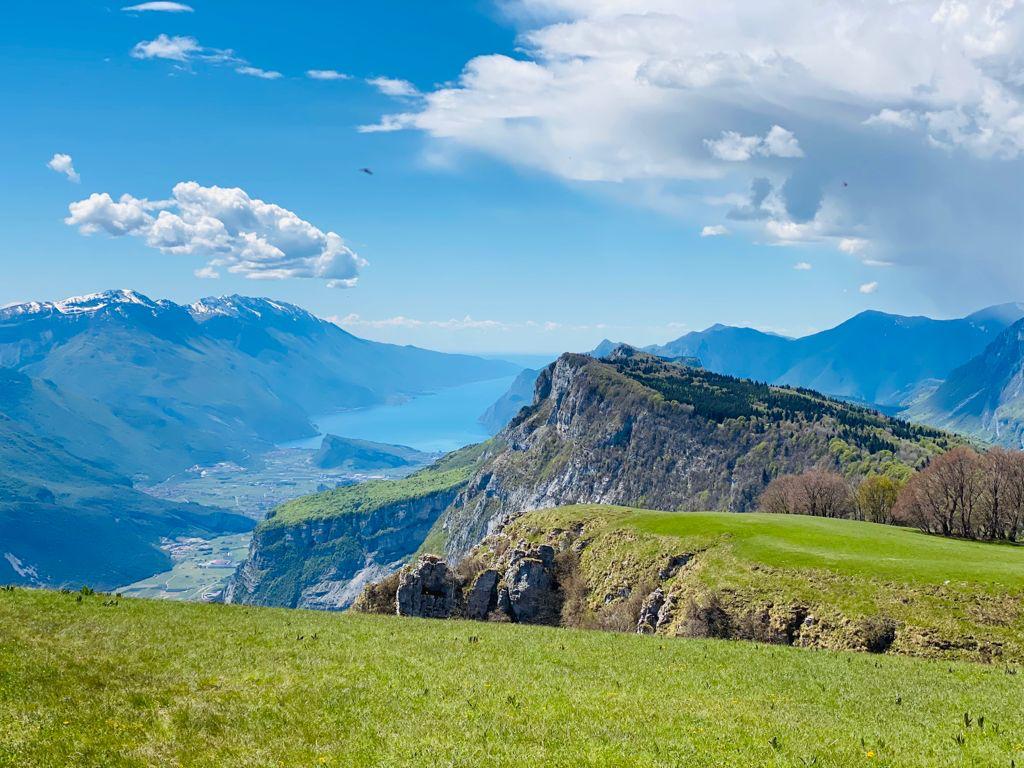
x=244, y=306
x=93, y=302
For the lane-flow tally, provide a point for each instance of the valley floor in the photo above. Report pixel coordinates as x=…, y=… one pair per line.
x=99, y=681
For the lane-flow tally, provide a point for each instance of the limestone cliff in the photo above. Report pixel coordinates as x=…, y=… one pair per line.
x=634, y=429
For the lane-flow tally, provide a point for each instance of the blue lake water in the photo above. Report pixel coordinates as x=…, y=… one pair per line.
x=441, y=421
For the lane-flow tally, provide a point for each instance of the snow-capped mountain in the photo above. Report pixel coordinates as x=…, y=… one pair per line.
x=99, y=388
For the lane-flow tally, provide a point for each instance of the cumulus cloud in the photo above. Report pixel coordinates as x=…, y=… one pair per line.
x=918, y=105
x=326, y=74
x=802, y=266
x=160, y=5
x=233, y=231
x=868, y=288
x=391, y=86
x=184, y=50
x=714, y=230
x=736, y=148
x=62, y=163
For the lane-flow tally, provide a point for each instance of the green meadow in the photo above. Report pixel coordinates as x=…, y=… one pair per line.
x=101, y=681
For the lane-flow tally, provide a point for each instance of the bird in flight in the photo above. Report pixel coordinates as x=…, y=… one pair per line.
x=367, y=171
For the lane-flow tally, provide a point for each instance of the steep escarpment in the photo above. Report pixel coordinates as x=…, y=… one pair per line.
x=788, y=580
x=318, y=551
x=634, y=429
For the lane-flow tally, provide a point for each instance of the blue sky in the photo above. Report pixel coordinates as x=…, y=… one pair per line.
x=538, y=199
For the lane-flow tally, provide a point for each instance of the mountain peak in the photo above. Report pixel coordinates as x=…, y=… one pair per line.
x=93, y=302
x=245, y=307
x=90, y=303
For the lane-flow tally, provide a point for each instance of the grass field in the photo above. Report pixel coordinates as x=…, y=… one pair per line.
x=846, y=547
x=151, y=683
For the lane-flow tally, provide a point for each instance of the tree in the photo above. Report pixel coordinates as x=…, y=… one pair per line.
x=816, y=492
x=945, y=497
x=1002, y=495
x=876, y=498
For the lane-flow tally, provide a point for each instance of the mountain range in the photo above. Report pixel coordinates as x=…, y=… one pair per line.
x=893, y=363
x=101, y=392
x=873, y=357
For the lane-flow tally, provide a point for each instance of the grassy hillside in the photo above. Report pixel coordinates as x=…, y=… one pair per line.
x=447, y=473
x=765, y=575
x=119, y=683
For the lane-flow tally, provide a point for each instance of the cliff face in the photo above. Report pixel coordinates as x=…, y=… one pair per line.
x=635, y=430
x=324, y=563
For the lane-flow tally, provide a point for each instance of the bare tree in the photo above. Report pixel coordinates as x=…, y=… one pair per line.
x=816, y=492
x=945, y=496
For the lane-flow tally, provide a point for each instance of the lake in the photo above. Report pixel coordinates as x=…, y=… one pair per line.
x=439, y=421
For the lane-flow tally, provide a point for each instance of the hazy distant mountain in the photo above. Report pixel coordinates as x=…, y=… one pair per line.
x=219, y=379
x=518, y=395
x=873, y=357
x=70, y=520
x=984, y=397
x=99, y=389
x=603, y=349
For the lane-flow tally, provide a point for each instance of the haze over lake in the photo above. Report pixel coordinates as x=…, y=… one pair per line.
x=439, y=421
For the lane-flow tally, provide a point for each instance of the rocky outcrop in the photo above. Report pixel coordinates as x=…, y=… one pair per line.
x=427, y=590
x=651, y=613
x=529, y=582
x=482, y=596
x=522, y=587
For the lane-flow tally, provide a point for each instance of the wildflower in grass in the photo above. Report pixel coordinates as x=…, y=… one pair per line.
x=871, y=754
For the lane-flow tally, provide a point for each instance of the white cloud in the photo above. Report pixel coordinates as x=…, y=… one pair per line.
x=902, y=118
x=714, y=230
x=207, y=273
x=326, y=74
x=803, y=266
x=160, y=5
x=184, y=50
x=779, y=142
x=265, y=74
x=626, y=91
x=177, y=48
x=62, y=163
x=736, y=148
x=868, y=288
x=388, y=124
x=876, y=263
x=391, y=86
x=244, y=235
x=852, y=245
x=733, y=147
